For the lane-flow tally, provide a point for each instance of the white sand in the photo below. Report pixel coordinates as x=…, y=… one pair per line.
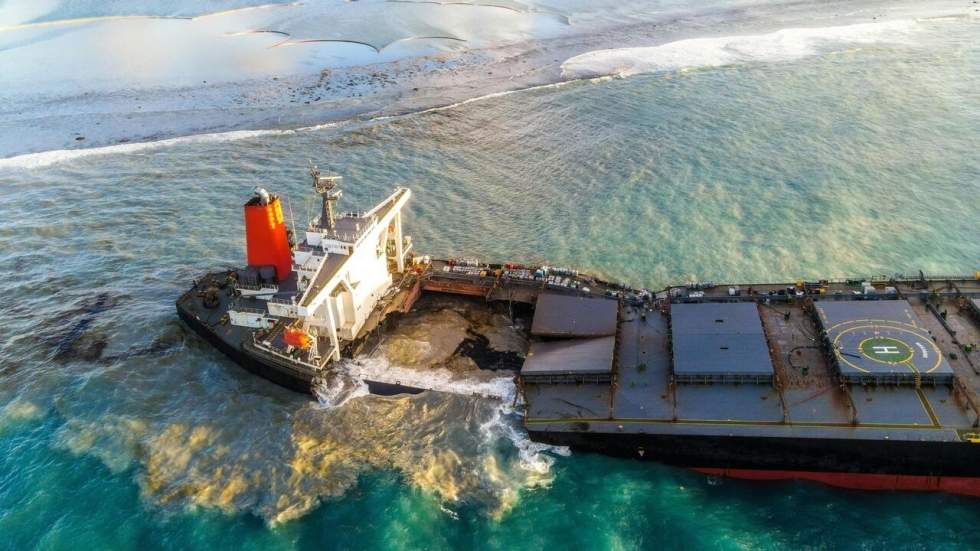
x=111, y=79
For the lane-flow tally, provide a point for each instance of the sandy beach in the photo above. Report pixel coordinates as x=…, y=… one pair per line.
x=69, y=87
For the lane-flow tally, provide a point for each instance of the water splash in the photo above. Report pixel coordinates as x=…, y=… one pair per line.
x=438, y=472
x=336, y=388
x=47, y=158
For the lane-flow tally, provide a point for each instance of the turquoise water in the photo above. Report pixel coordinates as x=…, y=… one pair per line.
x=858, y=161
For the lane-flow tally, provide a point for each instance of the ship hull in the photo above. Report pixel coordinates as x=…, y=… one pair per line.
x=274, y=371
x=867, y=465
x=280, y=375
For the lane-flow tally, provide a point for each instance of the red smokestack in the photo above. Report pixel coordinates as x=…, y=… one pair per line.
x=265, y=234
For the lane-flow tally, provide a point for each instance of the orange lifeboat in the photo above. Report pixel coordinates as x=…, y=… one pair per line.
x=297, y=338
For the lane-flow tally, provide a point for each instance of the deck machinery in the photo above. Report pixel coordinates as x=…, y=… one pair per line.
x=868, y=383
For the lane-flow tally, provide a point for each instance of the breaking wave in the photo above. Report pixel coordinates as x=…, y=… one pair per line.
x=46, y=158
x=338, y=388
x=782, y=45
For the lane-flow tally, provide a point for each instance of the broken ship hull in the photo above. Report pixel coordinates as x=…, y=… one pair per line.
x=912, y=463
x=865, y=383
x=871, y=389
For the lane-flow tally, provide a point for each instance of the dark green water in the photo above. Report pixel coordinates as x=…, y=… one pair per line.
x=858, y=161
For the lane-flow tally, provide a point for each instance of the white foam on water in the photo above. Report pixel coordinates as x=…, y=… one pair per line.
x=348, y=381
x=781, y=45
x=47, y=158
x=942, y=18
x=534, y=456
x=493, y=95
x=437, y=379
x=595, y=66
x=339, y=387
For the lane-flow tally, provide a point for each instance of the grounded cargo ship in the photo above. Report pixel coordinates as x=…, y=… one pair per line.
x=866, y=383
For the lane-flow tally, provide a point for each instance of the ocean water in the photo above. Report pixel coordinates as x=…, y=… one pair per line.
x=119, y=430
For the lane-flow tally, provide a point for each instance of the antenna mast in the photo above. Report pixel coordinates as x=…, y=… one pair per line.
x=325, y=187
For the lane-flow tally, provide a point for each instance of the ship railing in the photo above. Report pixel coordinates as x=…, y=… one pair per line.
x=729, y=378
x=676, y=290
x=283, y=300
x=256, y=286
x=962, y=388
x=269, y=349
x=347, y=236
x=461, y=275
x=567, y=378
x=342, y=236
x=521, y=281
x=896, y=379
x=927, y=277
x=239, y=306
x=882, y=278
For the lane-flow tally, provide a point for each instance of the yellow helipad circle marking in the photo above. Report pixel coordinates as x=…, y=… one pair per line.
x=892, y=323
x=891, y=326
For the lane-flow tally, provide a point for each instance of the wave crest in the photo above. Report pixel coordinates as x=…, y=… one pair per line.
x=46, y=158
x=782, y=45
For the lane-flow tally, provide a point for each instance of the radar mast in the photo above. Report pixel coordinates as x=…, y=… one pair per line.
x=326, y=186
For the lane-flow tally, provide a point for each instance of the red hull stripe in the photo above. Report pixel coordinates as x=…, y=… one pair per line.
x=861, y=481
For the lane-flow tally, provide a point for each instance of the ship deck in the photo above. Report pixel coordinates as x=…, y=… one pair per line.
x=807, y=399
x=649, y=378
x=817, y=387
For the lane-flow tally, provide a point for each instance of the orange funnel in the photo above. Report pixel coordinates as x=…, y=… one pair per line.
x=265, y=235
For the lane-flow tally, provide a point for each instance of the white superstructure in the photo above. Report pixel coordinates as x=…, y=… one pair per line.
x=341, y=269
x=345, y=271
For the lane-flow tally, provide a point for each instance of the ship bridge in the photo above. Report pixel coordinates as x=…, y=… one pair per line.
x=324, y=290
x=345, y=268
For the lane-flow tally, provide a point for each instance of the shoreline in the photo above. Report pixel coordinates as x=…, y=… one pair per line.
x=101, y=123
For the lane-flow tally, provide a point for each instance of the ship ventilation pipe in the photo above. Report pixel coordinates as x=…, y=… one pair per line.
x=262, y=194
x=265, y=234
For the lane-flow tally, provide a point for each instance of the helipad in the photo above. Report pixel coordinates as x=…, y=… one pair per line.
x=881, y=341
